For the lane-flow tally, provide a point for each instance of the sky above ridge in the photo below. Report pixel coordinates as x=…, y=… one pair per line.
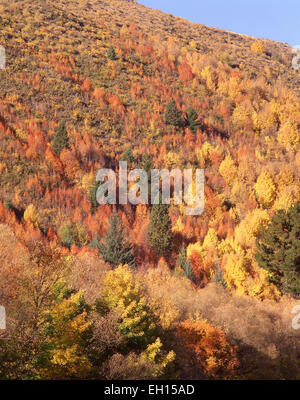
x=269, y=19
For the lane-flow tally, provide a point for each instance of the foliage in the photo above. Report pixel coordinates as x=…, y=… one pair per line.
x=238, y=120
x=73, y=234
x=163, y=362
x=210, y=352
x=67, y=331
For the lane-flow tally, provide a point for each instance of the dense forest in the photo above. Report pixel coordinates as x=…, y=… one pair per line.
x=138, y=291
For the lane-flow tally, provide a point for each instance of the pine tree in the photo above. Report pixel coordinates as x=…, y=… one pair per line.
x=173, y=115
x=93, y=195
x=111, y=53
x=184, y=263
x=159, y=231
x=116, y=249
x=60, y=139
x=278, y=250
x=191, y=120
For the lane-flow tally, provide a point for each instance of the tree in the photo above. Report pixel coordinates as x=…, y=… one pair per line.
x=184, y=263
x=173, y=115
x=122, y=292
x=228, y=170
x=111, y=53
x=204, y=351
x=71, y=233
x=60, y=139
x=185, y=72
x=67, y=331
x=278, y=250
x=288, y=135
x=265, y=190
x=31, y=215
x=116, y=249
x=191, y=120
x=159, y=231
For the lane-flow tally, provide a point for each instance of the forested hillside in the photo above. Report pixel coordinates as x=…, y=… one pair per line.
x=133, y=292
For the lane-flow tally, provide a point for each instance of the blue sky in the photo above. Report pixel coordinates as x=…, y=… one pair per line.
x=268, y=19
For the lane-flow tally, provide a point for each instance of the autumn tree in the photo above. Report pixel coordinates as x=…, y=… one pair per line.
x=123, y=292
x=67, y=331
x=115, y=248
x=228, y=170
x=265, y=190
x=31, y=215
x=204, y=351
x=73, y=234
x=47, y=265
x=185, y=72
x=278, y=250
x=288, y=135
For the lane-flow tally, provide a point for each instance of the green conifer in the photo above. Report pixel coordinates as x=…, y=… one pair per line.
x=116, y=249
x=173, y=115
x=184, y=264
x=278, y=250
x=159, y=231
x=111, y=53
x=191, y=120
x=60, y=139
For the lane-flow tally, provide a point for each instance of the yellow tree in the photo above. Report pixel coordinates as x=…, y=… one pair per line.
x=246, y=278
x=288, y=135
x=31, y=215
x=228, y=170
x=251, y=226
x=67, y=331
x=265, y=190
x=122, y=291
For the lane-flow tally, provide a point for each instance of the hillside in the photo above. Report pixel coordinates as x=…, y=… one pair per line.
x=89, y=83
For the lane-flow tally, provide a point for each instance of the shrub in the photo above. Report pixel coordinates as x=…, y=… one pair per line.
x=258, y=47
